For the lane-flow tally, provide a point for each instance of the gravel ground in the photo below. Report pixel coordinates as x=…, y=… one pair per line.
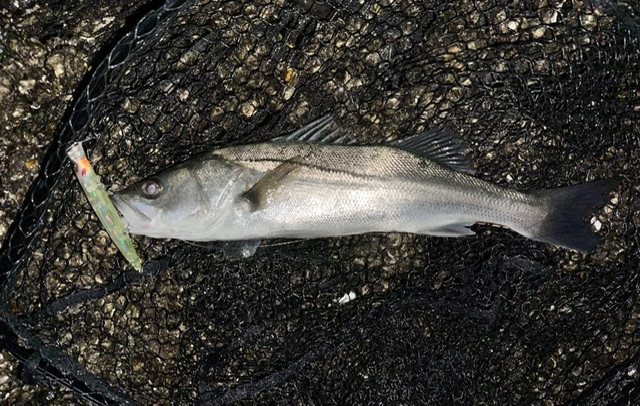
x=46, y=49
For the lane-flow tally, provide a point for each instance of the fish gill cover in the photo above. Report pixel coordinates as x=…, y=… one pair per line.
x=545, y=93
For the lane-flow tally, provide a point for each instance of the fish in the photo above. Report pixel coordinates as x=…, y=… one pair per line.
x=319, y=182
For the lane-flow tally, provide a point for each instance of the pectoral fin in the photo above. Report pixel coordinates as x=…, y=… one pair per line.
x=258, y=194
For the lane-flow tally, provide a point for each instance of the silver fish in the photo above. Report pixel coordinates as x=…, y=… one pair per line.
x=316, y=183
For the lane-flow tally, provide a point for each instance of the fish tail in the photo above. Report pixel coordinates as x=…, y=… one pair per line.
x=565, y=223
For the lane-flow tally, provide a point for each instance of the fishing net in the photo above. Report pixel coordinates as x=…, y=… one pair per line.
x=544, y=93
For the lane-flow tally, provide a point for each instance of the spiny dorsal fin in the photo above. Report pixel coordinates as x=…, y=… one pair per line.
x=439, y=146
x=258, y=194
x=318, y=132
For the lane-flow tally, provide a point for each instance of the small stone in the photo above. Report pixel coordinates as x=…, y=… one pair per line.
x=56, y=62
x=25, y=86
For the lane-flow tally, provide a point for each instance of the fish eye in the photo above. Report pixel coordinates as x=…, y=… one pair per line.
x=151, y=189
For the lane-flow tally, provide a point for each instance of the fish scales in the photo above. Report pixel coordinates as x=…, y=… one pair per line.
x=385, y=187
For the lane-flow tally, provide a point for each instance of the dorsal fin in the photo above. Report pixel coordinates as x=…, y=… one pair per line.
x=438, y=145
x=318, y=132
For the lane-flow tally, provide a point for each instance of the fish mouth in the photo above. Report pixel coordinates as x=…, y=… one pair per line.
x=132, y=217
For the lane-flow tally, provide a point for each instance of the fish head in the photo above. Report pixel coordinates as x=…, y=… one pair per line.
x=163, y=205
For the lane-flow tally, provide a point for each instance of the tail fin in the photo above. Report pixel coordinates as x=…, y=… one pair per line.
x=565, y=224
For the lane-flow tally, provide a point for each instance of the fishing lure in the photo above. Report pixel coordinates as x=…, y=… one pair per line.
x=101, y=204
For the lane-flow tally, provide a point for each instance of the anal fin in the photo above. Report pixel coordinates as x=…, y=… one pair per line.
x=450, y=230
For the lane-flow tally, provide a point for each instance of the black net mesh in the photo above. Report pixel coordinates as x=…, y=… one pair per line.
x=545, y=94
